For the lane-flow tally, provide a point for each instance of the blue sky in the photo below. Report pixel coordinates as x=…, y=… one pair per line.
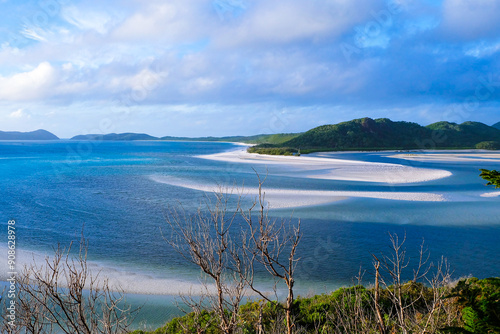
x=228, y=67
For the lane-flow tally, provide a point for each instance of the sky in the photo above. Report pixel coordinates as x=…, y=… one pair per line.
x=243, y=67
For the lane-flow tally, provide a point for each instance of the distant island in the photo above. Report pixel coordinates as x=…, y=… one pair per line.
x=358, y=134
x=116, y=137
x=33, y=135
x=256, y=139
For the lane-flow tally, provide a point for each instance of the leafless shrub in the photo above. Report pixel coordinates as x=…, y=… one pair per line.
x=205, y=240
x=63, y=295
x=228, y=256
x=418, y=304
x=273, y=245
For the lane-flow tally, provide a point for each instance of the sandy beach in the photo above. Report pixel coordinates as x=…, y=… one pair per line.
x=335, y=169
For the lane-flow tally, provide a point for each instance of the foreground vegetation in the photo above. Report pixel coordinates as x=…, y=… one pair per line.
x=468, y=306
x=492, y=176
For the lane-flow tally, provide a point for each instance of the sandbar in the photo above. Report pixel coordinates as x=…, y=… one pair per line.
x=292, y=198
x=456, y=156
x=335, y=169
x=120, y=279
x=491, y=194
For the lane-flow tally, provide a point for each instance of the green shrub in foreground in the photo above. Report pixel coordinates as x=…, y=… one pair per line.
x=350, y=310
x=479, y=301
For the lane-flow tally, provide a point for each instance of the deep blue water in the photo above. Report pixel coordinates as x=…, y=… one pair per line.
x=53, y=190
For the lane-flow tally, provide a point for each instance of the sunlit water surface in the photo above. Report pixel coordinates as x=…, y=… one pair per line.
x=52, y=190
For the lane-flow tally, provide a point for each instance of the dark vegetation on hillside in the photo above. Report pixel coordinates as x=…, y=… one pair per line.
x=257, y=139
x=368, y=134
x=496, y=125
x=488, y=145
x=467, y=134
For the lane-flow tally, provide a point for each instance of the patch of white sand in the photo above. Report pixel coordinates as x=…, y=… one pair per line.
x=492, y=194
x=336, y=169
x=465, y=156
x=119, y=279
x=291, y=198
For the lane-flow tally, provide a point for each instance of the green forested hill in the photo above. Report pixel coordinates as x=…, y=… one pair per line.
x=496, y=125
x=278, y=138
x=467, y=134
x=361, y=133
x=366, y=133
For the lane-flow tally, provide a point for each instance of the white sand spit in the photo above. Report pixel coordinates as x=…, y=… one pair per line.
x=119, y=279
x=492, y=194
x=291, y=198
x=336, y=169
x=467, y=156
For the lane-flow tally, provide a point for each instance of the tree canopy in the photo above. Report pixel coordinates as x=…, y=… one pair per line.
x=492, y=176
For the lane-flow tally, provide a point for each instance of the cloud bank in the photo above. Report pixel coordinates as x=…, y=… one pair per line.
x=224, y=67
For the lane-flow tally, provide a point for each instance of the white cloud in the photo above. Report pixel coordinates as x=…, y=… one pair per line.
x=148, y=55
x=471, y=19
x=277, y=21
x=483, y=49
x=29, y=85
x=173, y=21
x=19, y=113
x=34, y=34
x=87, y=20
x=280, y=21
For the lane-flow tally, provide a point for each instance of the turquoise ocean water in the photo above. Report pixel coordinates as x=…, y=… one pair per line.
x=53, y=189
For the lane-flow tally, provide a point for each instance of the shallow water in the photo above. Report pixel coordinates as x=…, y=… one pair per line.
x=52, y=190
